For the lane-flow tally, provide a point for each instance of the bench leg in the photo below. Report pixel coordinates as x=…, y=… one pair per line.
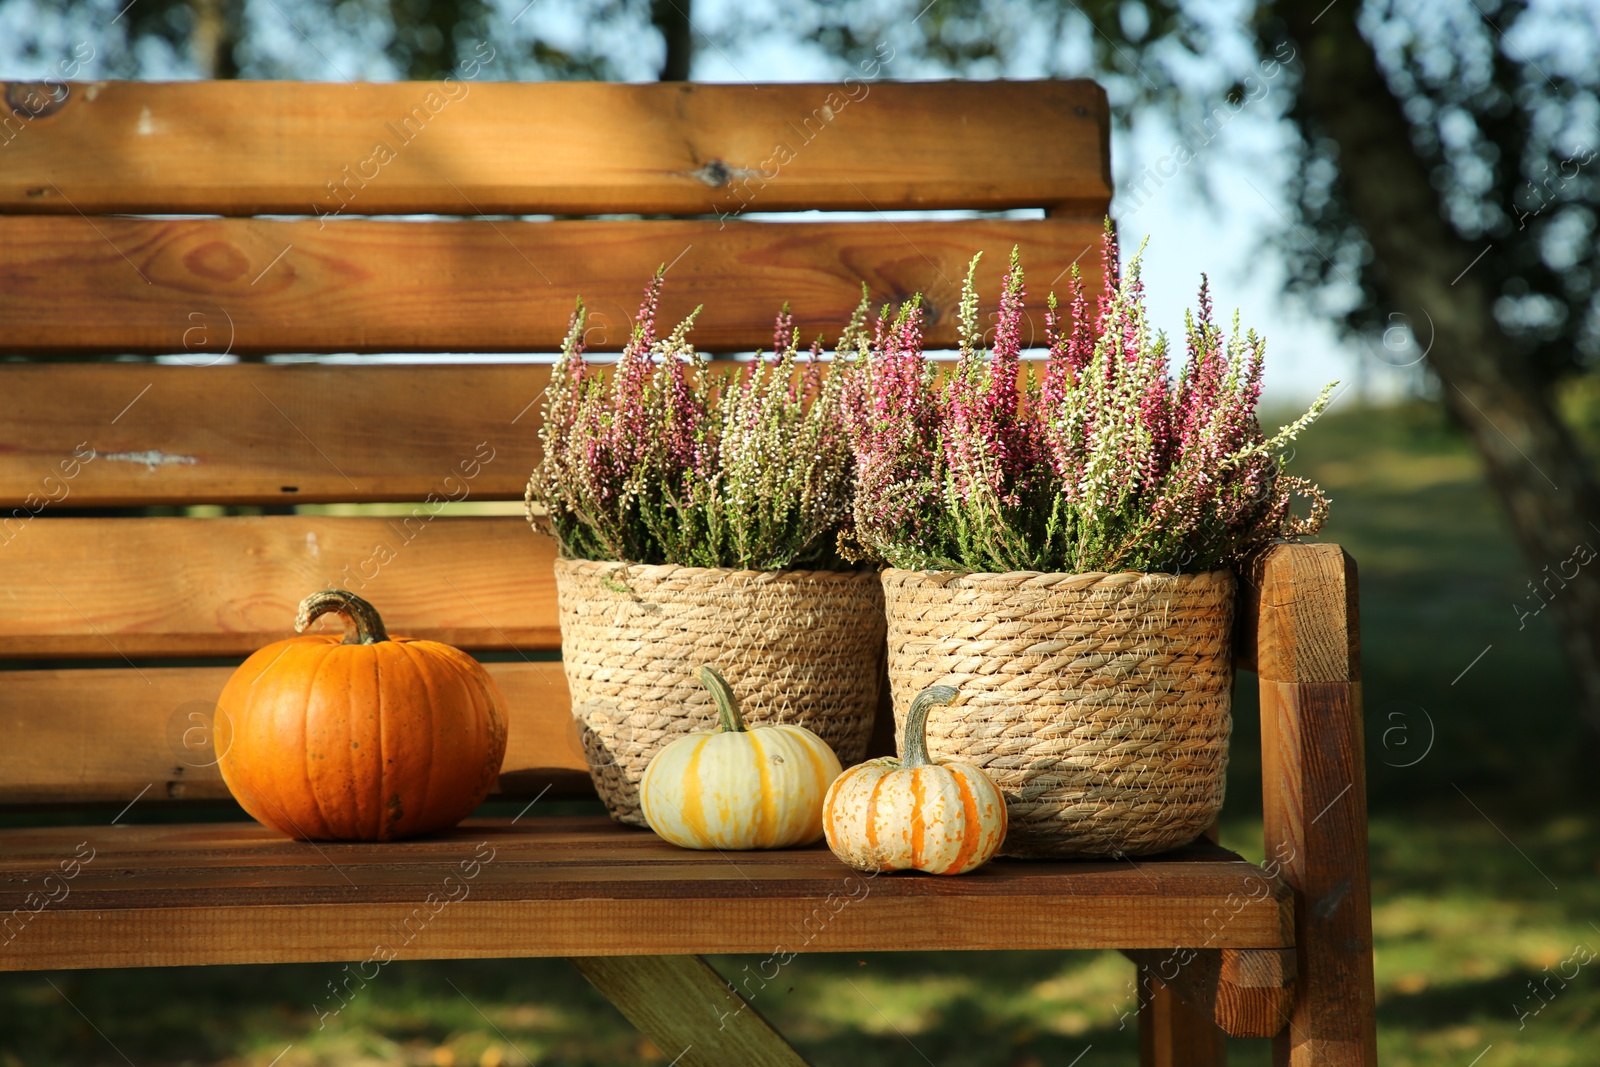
x=694, y=1017
x=1247, y=992
x=1172, y=1034
x=1315, y=800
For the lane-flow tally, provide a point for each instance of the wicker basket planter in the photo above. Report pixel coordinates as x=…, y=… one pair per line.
x=801, y=647
x=1098, y=703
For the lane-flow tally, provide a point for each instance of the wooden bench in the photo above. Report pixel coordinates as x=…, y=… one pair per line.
x=120, y=630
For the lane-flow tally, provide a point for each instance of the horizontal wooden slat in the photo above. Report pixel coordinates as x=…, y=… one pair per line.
x=259, y=434
x=168, y=895
x=87, y=736
x=111, y=588
x=242, y=148
x=206, y=286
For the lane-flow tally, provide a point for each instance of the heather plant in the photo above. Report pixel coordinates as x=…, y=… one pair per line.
x=1103, y=461
x=667, y=460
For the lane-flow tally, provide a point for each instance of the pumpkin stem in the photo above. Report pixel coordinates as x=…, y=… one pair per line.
x=722, y=694
x=363, y=626
x=916, y=733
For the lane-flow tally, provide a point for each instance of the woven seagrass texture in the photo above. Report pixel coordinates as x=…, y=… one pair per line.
x=800, y=647
x=1098, y=703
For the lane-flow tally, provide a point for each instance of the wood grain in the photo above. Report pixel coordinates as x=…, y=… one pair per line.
x=565, y=148
x=119, y=588
x=1173, y=1034
x=80, y=736
x=1307, y=626
x=177, y=894
x=1246, y=992
x=691, y=1013
x=253, y=434
x=199, y=287
x=1315, y=800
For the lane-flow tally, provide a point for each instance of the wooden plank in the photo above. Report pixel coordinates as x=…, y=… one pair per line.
x=1246, y=992
x=567, y=148
x=94, y=435
x=109, y=735
x=547, y=848
x=691, y=1013
x=175, y=894
x=1315, y=799
x=119, y=588
x=1173, y=1034
x=248, y=286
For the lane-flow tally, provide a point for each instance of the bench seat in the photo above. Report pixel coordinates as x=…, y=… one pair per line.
x=177, y=894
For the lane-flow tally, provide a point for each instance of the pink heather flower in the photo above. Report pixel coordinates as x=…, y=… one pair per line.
x=1105, y=463
x=668, y=460
x=1012, y=436
x=645, y=328
x=783, y=332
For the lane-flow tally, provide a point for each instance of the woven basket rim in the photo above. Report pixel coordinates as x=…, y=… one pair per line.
x=1219, y=574
x=662, y=570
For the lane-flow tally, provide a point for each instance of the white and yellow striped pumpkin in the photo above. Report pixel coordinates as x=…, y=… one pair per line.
x=738, y=788
x=912, y=813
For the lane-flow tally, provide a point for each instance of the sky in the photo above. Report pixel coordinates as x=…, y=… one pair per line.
x=1212, y=214
x=1224, y=235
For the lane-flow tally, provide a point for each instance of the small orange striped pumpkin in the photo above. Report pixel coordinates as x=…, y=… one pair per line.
x=738, y=788
x=913, y=813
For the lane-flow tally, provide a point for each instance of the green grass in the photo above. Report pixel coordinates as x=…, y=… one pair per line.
x=1466, y=911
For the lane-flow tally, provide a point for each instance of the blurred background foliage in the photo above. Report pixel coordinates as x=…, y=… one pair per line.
x=1438, y=207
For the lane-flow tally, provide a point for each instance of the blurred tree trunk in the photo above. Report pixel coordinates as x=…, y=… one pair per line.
x=212, y=39
x=671, y=17
x=1533, y=461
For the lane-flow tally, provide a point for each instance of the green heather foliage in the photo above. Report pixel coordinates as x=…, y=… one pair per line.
x=666, y=460
x=1103, y=462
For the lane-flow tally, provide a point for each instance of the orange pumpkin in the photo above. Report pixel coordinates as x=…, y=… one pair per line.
x=366, y=739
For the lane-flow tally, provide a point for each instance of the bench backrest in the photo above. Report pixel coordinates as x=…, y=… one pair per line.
x=121, y=630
